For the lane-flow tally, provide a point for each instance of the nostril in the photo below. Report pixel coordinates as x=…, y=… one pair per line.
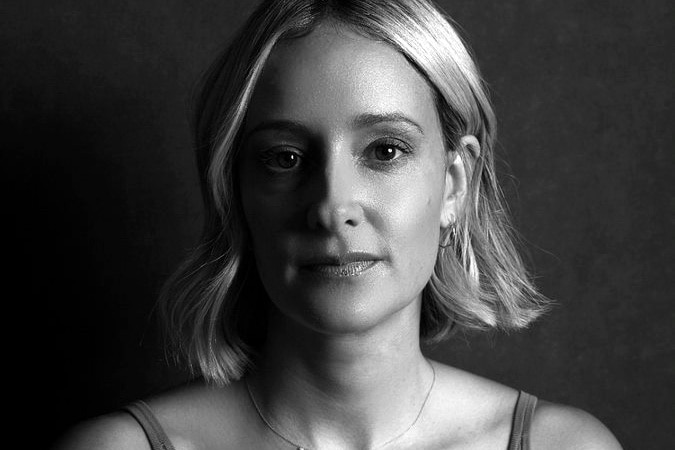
x=348, y=214
x=333, y=217
x=351, y=222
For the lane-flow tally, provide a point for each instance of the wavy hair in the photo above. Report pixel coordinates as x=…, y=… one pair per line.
x=214, y=305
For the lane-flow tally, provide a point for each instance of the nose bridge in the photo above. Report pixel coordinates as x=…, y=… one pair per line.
x=336, y=204
x=338, y=177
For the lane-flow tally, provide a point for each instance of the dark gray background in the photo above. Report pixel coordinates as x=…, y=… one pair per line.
x=101, y=194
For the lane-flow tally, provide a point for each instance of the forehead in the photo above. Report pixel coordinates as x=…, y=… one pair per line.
x=333, y=74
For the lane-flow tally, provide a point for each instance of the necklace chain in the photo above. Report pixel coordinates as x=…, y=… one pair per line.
x=301, y=447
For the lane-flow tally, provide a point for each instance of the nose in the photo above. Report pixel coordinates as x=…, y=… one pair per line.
x=336, y=205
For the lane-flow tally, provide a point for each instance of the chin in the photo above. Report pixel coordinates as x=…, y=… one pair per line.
x=339, y=313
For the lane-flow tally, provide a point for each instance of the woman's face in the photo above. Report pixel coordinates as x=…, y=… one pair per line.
x=342, y=181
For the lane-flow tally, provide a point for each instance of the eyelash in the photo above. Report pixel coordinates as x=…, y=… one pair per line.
x=396, y=144
x=271, y=158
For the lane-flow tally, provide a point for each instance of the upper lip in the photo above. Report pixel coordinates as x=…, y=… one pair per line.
x=339, y=259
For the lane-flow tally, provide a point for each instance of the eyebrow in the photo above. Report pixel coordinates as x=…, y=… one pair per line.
x=279, y=125
x=368, y=120
x=361, y=121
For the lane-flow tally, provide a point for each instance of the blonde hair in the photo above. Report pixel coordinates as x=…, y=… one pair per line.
x=214, y=305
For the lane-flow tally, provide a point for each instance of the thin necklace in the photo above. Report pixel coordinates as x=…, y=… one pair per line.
x=300, y=447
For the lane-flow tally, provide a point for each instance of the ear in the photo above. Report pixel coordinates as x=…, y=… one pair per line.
x=456, y=178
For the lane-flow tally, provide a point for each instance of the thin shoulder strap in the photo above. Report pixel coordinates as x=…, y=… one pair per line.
x=153, y=430
x=522, y=419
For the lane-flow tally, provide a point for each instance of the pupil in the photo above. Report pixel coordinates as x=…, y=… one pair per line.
x=386, y=153
x=287, y=160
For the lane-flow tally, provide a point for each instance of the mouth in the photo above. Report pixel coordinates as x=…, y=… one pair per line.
x=348, y=265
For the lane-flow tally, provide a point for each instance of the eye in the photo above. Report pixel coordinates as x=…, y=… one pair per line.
x=281, y=159
x=385, y=152
x=286, y=160
x=388, y=150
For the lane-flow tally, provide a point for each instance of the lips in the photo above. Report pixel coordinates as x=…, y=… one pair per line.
x=350, y=264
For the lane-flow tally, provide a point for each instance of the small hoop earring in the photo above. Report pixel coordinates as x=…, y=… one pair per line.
x=452, y=236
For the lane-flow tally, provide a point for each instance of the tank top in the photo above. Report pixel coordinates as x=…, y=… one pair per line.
x=519, y=439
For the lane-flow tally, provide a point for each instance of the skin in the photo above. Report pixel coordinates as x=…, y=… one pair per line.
x=357, y=185
x=370, y=177
x=342, y=367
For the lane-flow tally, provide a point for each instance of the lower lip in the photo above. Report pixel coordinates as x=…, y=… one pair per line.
x=353, y=269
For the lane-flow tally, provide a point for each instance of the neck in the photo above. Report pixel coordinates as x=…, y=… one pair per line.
x=348, y=390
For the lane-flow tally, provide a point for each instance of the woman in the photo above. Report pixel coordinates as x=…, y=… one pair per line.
x=345, y=149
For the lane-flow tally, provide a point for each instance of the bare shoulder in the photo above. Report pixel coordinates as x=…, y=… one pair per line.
x=556, y=426
x=193, y=416
x=110, y=432
x=199, y=402
x=477, y=395
x=473, y=411
x=199, y=415
x=483, y=411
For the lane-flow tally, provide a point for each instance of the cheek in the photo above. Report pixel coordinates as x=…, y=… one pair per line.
x=275, y=221
x=265, y=209
x=261, y=215
x=413, y=219
x=265, y=218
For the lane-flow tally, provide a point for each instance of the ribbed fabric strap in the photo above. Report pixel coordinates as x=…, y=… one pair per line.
x=522, y=419
x=153, y=430
x=519, y=440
